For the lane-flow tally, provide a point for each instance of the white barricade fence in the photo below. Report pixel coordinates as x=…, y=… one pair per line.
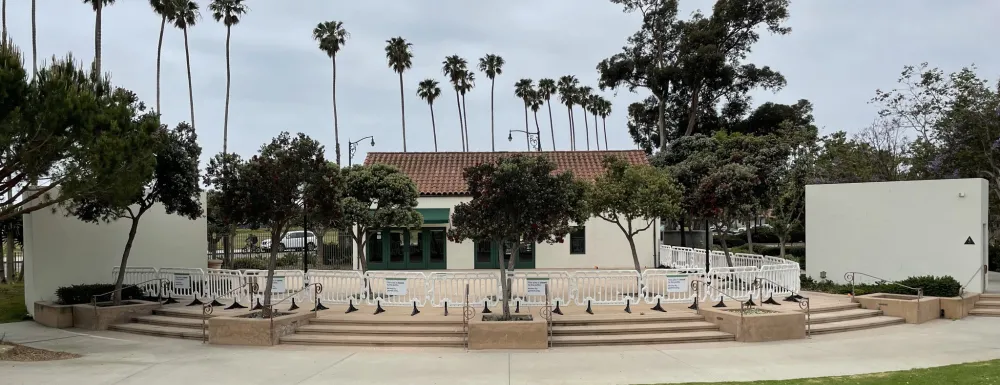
x=743, y=260
x=528, y=287
x=606, y=287
x=285, y=283
x=779, y=279
x=398, y=288
x=225, y=284
x=183, y=282
x=449, y=287
x=735, y=282
x=339, y=286
x=669, y=285
x=144, y=277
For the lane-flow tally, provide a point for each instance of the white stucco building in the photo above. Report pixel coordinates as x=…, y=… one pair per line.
x=438, y=176
x=895, y=230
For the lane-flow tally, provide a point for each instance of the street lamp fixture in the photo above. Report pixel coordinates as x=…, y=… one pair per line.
x=352, y=147
x=531, y=138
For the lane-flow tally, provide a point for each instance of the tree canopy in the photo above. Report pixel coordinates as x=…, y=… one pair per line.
x=377, y=196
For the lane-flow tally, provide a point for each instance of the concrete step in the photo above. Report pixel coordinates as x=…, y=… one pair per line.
x=985, y=312
x=642, y=339
x=855, y=324
x=156, y=330
x=639, y=328
x=388, y=321
x=172, y=312
x=177, y=322
x=366, y=340
x=843, y=315
x=989, y=297
x=624, y=318
x=992, y=304
x=379, y=330
x=833, y=308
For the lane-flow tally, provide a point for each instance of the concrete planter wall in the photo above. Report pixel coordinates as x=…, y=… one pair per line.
x=54, y=315
x=906, y=307
x=99, y=318
x=508, y=334
x=776, y=326
x=958, y=307
x=254, y=331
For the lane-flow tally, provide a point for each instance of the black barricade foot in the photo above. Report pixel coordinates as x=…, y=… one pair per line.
x=694, y=306
x=658, y=307
x=378, y=308
x=258, y=306
x=589, y=310
x=771, y=301
x=486, y=308
x=797, y=296
x=517, y=307
x=791, y=298
x=628, y=306
x=750, y=302
x=236, y=305
x=556, y=310
x=445, y=308
x=720, y=304
x=319, y=306
x=415, y=311
x=350, y=306
x=215, y=302
x=294, y=306
x=195, y=302
x=170, y=300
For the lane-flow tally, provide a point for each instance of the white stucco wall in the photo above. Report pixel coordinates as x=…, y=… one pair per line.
x=61, y=250
x=896, y=230
x=606, y=245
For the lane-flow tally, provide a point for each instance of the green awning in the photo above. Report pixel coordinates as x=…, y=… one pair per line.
x=435, y=216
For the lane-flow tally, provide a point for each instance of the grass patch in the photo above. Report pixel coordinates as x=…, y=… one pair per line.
x=976, y=373
x=12, y=303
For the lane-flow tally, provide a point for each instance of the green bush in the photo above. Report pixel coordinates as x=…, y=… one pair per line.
x=933, y=286
x=249, y=264
x=763, y=234
x=732, y=240
x=943, y=286
x=774, y=251
x=797, y=235
x=295, y=259
x=77, y=294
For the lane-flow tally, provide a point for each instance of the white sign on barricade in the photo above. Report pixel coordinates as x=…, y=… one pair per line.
x=278, y=285
x=677, y=283
x=395, y=286
x=536, y=286
x=182, y=281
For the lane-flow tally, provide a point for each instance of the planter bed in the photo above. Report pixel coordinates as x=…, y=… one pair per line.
x=254, y=330
x=907, y=307
x=758, y=325
x=525, y=332
x=87, y=316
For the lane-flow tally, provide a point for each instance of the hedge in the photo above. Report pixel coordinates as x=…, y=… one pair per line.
x=944, y=286
x=77, y=294
x=766, y=234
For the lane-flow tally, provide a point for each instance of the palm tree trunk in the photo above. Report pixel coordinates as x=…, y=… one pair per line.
x=586, y=128
x=461, y=126
x=3, y=22
x=97, y=38
x=402, y=109
x=604, y=122
x=538, y=131
x=465, y=120
x=225, y=119
x=552, y=129
x=527, y=131
x=597, y=135
x=336, y=123
x=493, y=134
x=34, y=41
x=434, y=129
x=159, y=55
x=572, y=141
x=187, y=57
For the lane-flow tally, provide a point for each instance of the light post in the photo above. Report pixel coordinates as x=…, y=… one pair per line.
x=532, y=138
x=352, y=147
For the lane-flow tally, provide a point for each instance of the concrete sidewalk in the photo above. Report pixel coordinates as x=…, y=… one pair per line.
x=118, y=358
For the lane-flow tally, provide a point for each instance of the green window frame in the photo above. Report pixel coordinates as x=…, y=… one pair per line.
x=578, y=240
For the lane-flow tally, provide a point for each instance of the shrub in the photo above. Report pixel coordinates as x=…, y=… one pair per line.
x=797, y=235
x=77, y=294
x=762, y=234
x=944, y=286
x=249, y=264
x=933, y=286
x=295, y=259
x=774, y=251
x=732, y=240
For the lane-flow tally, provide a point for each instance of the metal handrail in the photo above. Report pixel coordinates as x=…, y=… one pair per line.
x=849, y=276
x=742, y=306
x=961, y=291
x=315, y=286
x=207, y=308
x=803, y=302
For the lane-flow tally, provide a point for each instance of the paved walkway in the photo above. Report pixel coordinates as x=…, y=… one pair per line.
x=118, y=358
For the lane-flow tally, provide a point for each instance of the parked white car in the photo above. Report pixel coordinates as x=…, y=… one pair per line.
x=293, y=240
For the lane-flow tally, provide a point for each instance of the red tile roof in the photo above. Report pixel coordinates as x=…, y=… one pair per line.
x=440, y=173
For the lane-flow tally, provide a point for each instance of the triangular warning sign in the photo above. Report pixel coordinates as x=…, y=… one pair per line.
x=969, y=241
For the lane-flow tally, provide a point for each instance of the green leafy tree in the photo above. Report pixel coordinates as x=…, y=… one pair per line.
x=332, y=37
x=633, y=197
x=428, y=90
x=217, y=228
x=172, y=181
x=186, y=15
x=518, y=200
x=323, y=212
x=455, y=67
x=377, y=197
x=399, y=54
x=546, y=88
x=492, y=65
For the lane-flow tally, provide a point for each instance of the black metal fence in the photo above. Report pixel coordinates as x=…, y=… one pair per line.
x=250, y=249
x=18, y=263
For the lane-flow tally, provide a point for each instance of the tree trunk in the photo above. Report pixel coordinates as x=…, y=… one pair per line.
x=635, y=254
x=34, y=41
x=434, y=129
x=750, y=236
x=225, y=119
x=187, y=58
x=552, y=127
x=683, y=231
x=3, y=19
x=272, y=261
x=527, y=131
x=159, y=55
x=116, y=298
x=586, y=127
x=493, y=134
x=781, y=246
x=461, y=125
x=97, y=38
x=465, y=120
x=362, y=258
x=336, y=123
x=693, y=110
x=402, y=109
x=597, y=136
x=569, y=115
x=604, y=122
x=538, y=131
x=725, y=249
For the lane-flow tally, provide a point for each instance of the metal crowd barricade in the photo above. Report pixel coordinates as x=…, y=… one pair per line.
x=669, y=285
x=447, y=288
x=398, y=288
x=339, y=286
x=561, y=286
x=735, y=282
x=606, y=287
x=183, y=282
x=146, y=275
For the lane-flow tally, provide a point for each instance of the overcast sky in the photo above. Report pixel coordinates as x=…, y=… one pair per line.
x=838, y=53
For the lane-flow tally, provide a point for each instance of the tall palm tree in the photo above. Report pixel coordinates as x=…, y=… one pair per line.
x=454, y=67
x=186, y=15
x=400, y=57
x=3, y=22
x=525, y=90
x=164, y=8
x=604, y=111
x=428, y=90
x=332, y=36
x=593, y=104
x=547, y=87
x=536, y=104
x=34, y=41
x=98, y=5
x=229, y=13
x=583, y=99
x=492, y=65
x=466, y=84
x=567, y=90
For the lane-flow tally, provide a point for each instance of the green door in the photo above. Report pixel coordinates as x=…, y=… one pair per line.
x=488, y=256
x=404, y=249
x=374, y=250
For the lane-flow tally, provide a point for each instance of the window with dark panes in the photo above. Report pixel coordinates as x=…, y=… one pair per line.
x=578, y=240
